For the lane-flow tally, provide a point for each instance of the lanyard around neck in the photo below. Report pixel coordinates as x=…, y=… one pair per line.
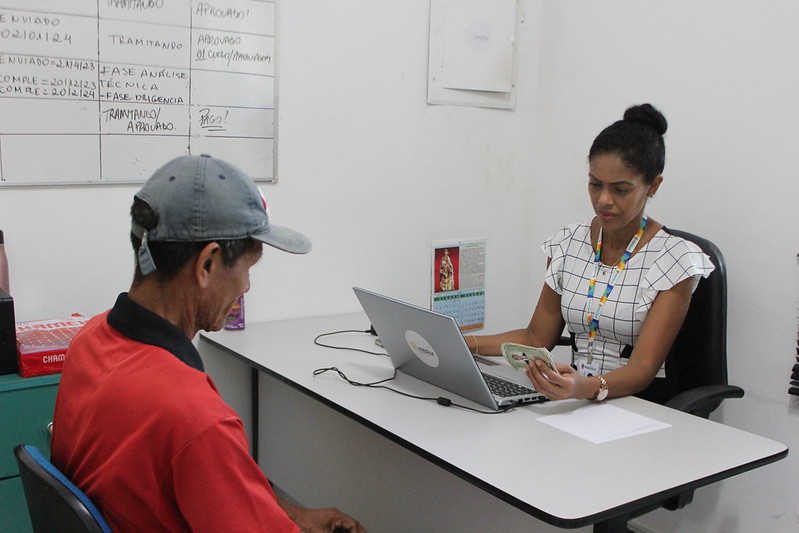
x=592, y=316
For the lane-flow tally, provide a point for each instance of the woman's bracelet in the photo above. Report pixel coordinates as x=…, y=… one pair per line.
x=476, y=346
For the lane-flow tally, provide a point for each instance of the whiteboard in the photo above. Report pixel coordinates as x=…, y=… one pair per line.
x=106, y=92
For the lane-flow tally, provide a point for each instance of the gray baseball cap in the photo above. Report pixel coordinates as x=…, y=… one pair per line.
x=201, y=198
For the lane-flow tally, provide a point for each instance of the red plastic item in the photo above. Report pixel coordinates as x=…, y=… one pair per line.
x=42, y=344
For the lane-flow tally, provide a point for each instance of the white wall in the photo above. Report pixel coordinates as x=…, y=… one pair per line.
x=372, y=174
x=724, y=73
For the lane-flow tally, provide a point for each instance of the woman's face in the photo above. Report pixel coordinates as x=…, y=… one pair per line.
x=618, y=193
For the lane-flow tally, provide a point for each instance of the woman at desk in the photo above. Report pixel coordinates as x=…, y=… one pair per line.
x=618, y=281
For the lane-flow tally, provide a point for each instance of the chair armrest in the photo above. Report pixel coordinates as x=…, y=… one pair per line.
x=702, y=401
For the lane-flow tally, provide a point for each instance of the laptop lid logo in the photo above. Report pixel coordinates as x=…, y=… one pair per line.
x=421, y=348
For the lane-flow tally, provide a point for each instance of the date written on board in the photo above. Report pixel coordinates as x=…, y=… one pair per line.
x=35, y=35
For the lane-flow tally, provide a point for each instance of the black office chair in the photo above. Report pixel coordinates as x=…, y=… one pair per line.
x=54, y=502
x=697, y=362
x=696, y=367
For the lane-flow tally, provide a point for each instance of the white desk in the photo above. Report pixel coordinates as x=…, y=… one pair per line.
x=459, y=465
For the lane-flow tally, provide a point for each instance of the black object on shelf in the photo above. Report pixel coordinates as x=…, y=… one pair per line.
x=8, y=335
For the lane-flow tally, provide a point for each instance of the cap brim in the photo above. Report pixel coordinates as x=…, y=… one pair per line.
x=285, y=239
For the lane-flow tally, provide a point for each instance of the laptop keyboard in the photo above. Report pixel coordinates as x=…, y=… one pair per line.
x=506, y=389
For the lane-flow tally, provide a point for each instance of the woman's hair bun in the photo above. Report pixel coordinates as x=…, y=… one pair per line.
x=647, y=115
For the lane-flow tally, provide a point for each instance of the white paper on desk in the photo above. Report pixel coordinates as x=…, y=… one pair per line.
x=600, y=423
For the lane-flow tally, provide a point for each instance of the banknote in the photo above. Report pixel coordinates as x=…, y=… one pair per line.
x=518, y=355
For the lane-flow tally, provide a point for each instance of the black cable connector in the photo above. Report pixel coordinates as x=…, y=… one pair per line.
x=371, y=331
x=445, y=402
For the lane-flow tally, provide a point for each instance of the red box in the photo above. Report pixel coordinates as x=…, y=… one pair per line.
x=41, y=344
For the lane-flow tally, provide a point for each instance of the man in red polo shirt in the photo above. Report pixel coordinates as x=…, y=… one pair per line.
x=138, y=425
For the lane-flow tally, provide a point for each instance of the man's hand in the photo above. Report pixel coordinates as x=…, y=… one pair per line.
x=327, y=520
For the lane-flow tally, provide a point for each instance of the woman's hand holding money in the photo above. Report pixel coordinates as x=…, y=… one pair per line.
x=554, y=386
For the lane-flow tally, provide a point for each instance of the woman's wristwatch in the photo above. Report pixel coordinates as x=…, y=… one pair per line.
x=602, y=393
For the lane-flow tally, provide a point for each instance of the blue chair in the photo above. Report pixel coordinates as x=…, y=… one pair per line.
x=54, y=502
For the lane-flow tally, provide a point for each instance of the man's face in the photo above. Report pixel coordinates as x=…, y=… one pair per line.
x=225, y=287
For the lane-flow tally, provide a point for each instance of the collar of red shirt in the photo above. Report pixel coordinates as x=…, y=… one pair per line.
x=142, y=325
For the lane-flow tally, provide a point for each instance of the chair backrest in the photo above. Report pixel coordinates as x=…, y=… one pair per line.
x=54, y=502
x=699, y=354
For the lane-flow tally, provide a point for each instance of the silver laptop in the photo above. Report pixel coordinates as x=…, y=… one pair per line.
x=429, y=346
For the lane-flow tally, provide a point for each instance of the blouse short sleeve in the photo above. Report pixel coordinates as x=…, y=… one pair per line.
x=557, y=248
x=678, y=260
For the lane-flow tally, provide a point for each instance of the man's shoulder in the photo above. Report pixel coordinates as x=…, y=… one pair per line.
x=125, y=371
x=97, y=321
x=167, y=395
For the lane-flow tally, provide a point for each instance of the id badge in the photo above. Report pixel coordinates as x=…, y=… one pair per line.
x=588, y=369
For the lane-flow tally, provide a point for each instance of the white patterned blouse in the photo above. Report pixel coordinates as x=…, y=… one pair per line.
x=658, y=266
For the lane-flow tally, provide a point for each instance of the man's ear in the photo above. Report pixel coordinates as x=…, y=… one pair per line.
x=208, y=261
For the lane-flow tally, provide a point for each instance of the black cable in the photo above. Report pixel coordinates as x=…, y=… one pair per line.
x=446, y=402
x=341, y=374
x=370, y=331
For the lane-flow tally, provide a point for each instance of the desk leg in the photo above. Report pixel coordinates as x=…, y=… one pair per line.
x=254, y=373
x=613, y=525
